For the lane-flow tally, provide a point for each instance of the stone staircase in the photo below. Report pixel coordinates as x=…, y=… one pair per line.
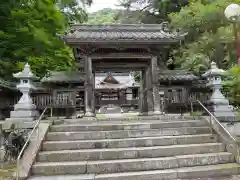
x=132, y=150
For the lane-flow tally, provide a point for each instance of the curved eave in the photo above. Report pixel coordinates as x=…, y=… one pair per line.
x=62, y=82
x=74, y=41
x=8, y=87
x=178, y=78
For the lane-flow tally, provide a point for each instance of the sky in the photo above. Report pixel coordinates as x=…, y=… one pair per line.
x=101, y=4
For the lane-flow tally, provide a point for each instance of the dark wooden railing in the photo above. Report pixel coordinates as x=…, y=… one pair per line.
x=68, y=100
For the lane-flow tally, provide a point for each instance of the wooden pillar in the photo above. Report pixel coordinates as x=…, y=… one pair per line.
x=155, y=84
x=88, y=89
x=149, y=90
x=145, y=93
x=74, y=95
x=141, y=95
x=93, y=94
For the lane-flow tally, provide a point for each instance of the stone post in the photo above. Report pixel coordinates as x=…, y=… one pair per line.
x=24, y=110
x=88, y=88
x=155, y=88
x=149, y=91
x=218, y=104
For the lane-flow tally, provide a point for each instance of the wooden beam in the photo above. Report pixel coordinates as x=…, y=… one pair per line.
x=116, y=69
x=120, y=63
x=121, y=56
x=119, y=66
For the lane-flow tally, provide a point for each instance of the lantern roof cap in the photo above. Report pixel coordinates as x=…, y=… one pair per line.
x=25, y=73
x=214, y=71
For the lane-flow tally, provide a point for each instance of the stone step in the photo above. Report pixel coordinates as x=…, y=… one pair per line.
x=129, y=165
x=92, y=176
x=128, y=153
x=64, y=177
x=66, y=136
x=173, y=174
x=126, y=126
x=128, y=119
x=115, y=166
x=130, y=142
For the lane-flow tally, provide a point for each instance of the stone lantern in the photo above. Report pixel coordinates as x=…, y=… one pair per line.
x=219, y=105
x=25, y=110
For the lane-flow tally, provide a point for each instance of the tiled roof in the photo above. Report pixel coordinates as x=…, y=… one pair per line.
x=117, y=32
x=176, y=75
x=13, y=85
x=111, y=86
x=201, y=83
x=8, y=84
x=124, y=80
x=64, y=76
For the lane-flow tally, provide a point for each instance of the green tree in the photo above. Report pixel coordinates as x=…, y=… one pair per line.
x=210, y=38
x=149, y=11
x=74, y=10
x=232, y=85
x=28, y=33
x=210, y=35
x=104, y=16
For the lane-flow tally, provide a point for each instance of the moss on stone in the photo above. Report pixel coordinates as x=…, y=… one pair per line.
x=6, y=170
x=228, y=165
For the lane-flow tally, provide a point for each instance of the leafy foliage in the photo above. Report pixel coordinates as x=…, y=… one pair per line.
x=28, y=33
x=233, y=84
x=74, y=9
x=209, y=35
x=104, y=16
x=149, y=11
x=210, y=38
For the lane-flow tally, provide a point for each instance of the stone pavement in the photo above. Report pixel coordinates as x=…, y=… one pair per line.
x=235, y=177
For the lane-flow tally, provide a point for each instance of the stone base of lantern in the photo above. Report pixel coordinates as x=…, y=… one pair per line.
x=24, y=112
x=224, y=113
x=219, y=106
x=23, y=116
x=25, y=106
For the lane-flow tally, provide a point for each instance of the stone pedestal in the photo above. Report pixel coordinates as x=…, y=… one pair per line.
x=218, y=104
x=220, y=107
x=24, y=110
